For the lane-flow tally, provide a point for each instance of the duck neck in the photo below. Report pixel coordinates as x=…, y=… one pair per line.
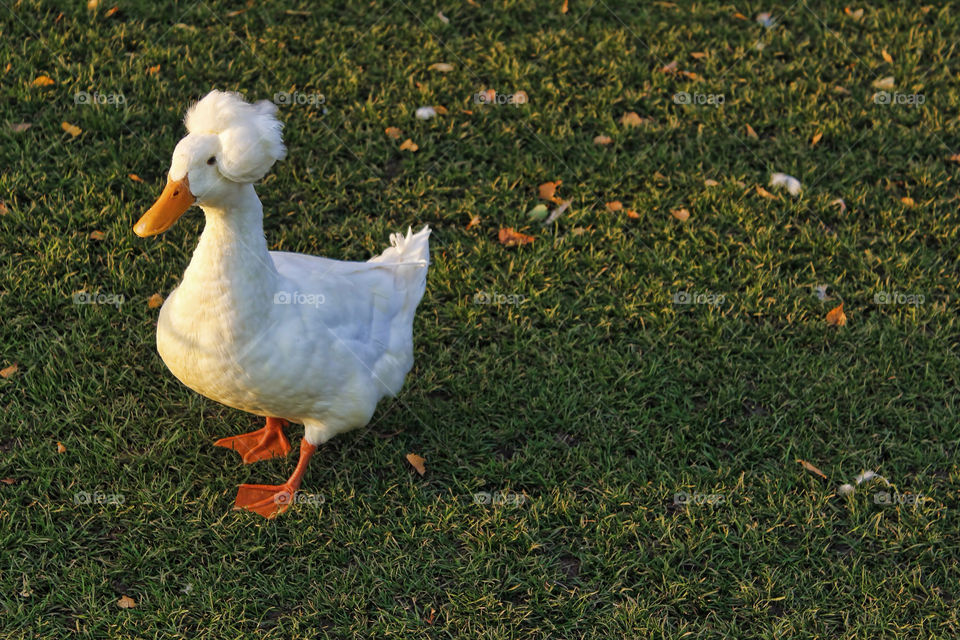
x=231, y=264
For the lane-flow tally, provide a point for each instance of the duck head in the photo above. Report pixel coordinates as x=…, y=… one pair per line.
x=229, y=143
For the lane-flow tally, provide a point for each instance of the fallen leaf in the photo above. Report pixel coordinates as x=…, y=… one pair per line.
x=538, y=213
x=43, y=81
x=20, y=127
x=154, y=301
x=442, y=110
x=556, y=213
x=3, y=208
x=548, y=190
x=616, y=205
x=812, y=469
x=474, y=221
x=740, y=16
x=444, y=19
x=393, y=132
x=841, y=90
x=605, y=140
x=9, y=480
x=631, y=119
x=6, y=372
x=699, y=55
x=409, y=145
x=134, y=177
x=907, y=200
x=509, y=237
x=234, y=14
x=153, y=70
x=680, y=214
x=417, y=462
x=836, y=317
x=710, y=183
x=111, y=11
x=856, y=15
x=884, y=83
x=443, y=67
x=73, y=130
x=840, y=203
x=126, y=602
x=92, y=4
x=751, y=133
x=632, y=214
x=954, y=158
x=886, y=56
x=565, y=7
x=691, y=75
x=97, y=235
x=61, y=448
x=763, y=193
x=816, y=139
x=670, y=67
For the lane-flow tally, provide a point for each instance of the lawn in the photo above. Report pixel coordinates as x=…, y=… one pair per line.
x=611, y=415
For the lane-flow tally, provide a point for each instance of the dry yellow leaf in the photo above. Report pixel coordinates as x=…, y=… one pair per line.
x=710, y=183
x=836, y=317
x=154, y=301
x=887, y=56
x=884, y=83
x=92, y=4
x=443, y=67
x=442, y=110
x=907, y=200
x=740, y=16
x=816, y=139
x=111, y=11
x=548, y=190
x=603, y=140
x=856, y=15
x=126, y=602
x=153, y=70
x=393, y=132
x=632, y=214
x=631, y=119
x=565, y=7
x=954, y=158
x=409, y=145
x=763, y=193
x=670, y=67
x=751, y=133
x=6, y=372
x=474, y=221
x=812, y=469
x=417, y=462
x=72, y=129
x=43, y=81
x=97, y=235
x=510, y=237
x=616, y=205
x=680, y=214
x=134, y=177
x=691, y=75
x=699, y=55
x=61, y=448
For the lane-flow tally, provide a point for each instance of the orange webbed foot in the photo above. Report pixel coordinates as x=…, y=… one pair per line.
x=262, y=444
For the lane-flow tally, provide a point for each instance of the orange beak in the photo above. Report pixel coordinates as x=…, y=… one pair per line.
x=172, y=203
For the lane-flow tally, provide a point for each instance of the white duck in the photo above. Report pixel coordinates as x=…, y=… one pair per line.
x=288, y=336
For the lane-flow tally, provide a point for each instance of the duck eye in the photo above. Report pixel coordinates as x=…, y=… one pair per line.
x=212, y=160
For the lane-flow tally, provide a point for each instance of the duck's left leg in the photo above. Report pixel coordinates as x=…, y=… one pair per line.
x=262, y=444
x=271, y=499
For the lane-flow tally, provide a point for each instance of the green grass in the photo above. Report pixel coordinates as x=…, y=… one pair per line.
x=597, y=399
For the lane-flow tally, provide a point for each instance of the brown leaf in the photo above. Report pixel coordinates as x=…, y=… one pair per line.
x=740, y=16
x=3, y=208
x=417, y=462
x=409, y=145
x=605, y=140
x=61, y=448
x=43, y=81
x=509, y=237
x=111, y=11
x=812, y=469
x=751, y=133
x=886, y=56
x=20, y=127
x=691, y=75
x=763, y=193
x=907, y=200
x=565, y=7
x=884, y=83
x=442, y=110
x=670, y=67
x=816, y=138
x=474, y=221
x=632, y=214
x=97, y=235
x=153, y=70
x=836, y=317
x=631, y=119
x=442, y=67
x=392, y=132
x=699, y=55
x=548, y=191
x=154, y=301
x=92, y=4
x=73, y=130
x=6, y=372
x=126, y=602
x=615, y=205
x=8, y=480
x=680, y=214
x=710, y=183
x=954, y=158
x=134, y=177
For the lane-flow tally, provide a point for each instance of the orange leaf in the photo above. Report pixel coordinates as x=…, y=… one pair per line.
x=153, y=70
x=752, y=133
x=616, y=205
x=73, y=130
x=681, y=214
x=631, y=119
x=6, y=372
x=907, y=200
x=740, y=16
x=126, y=602
x=393, y=132
x=812, y=469
x=602, y=140
x=565, y=7
x=765, y=194
x=474, y=221
x=9, y=480
x=836, y=317
x=43, y=81
x=954, y=158
x=97, y=235
x=548, y=190
x=154, y=301
x=61, y=448
x=699, y=55
x=816, y=139
x=670, y=67
x=509, y=237
x=632, y=214
x=691, y=75
x=442, y=110
x=886, y=56
x=111, y=11
x=134, y=177
x=417, y=462
x=409, y=145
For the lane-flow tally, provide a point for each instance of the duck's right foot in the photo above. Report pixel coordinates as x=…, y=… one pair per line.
x=262, y=444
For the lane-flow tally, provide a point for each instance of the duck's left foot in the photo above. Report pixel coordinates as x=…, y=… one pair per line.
x=261, y=444
x=270, y=500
